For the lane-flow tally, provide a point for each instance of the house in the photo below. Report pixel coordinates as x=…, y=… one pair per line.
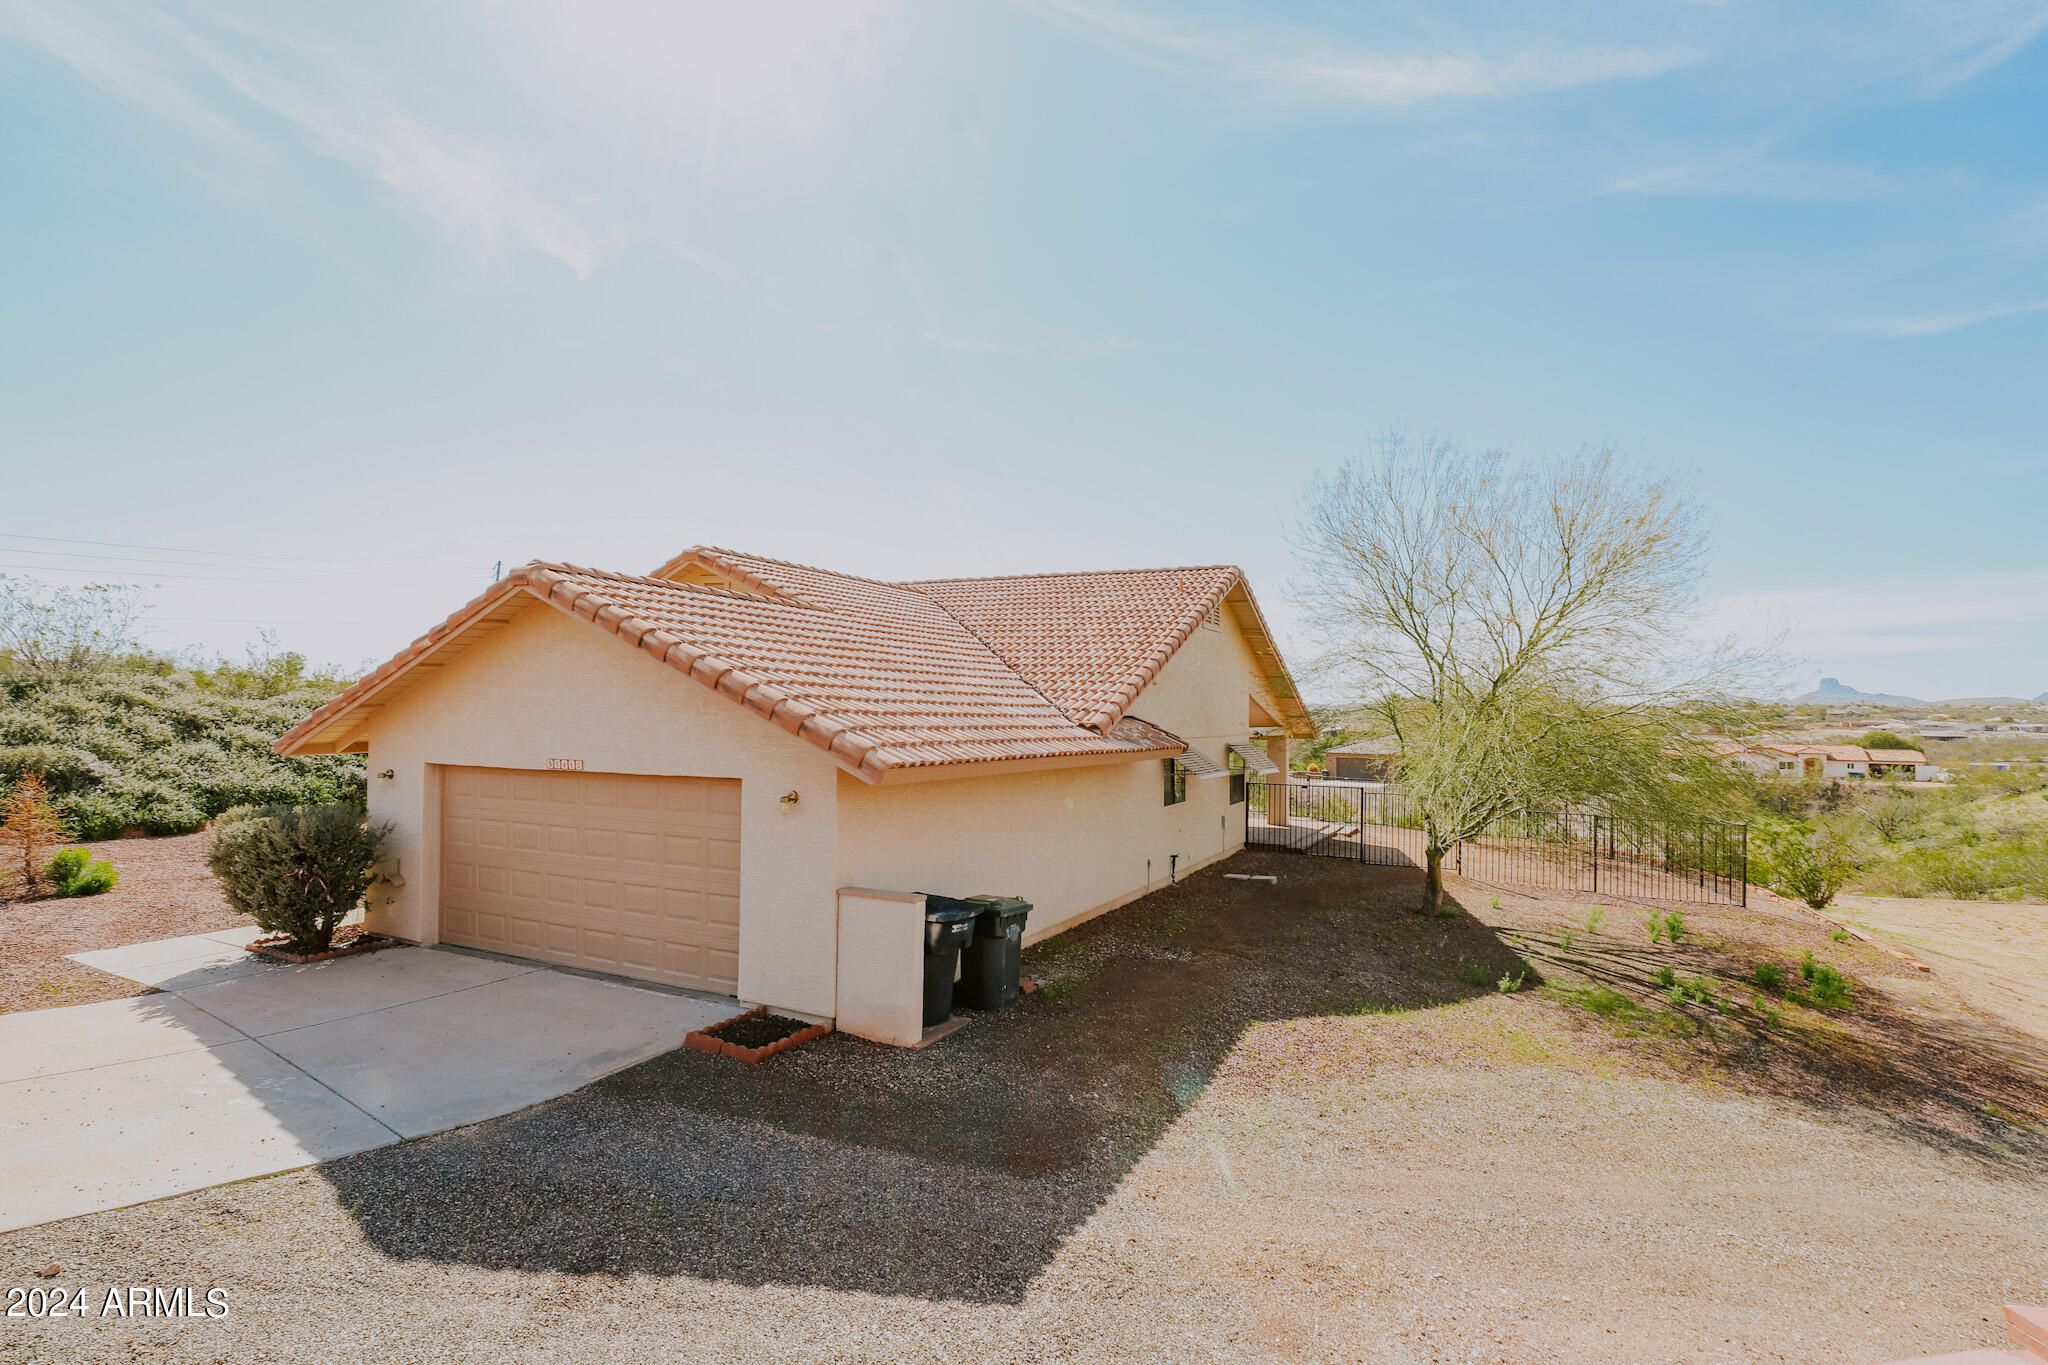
x=1780, y=758
x=1767, y=758
x=1855, y=761
x=737, y=775
x=1364, y=760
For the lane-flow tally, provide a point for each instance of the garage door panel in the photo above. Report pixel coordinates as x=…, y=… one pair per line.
x=616, y=873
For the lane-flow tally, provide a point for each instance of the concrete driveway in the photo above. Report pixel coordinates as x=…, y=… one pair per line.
x=244, y=1067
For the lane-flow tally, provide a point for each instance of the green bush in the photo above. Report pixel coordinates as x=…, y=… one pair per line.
x=1769, y=975
x=1806, y=863
x=74, y=873
x=295, y=870
x=146, y=743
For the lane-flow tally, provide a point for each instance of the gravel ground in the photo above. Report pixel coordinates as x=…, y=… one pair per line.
x=1241, y=1122
x=1994, y=954
x=164, y=891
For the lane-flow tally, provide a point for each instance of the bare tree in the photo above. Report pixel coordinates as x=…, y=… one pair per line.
x=65, y=630
x=1529, y=631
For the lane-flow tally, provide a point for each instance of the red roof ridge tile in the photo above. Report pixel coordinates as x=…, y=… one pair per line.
x=725, y=560
x=713, y=589
x=1068, y=573
x=964, y=707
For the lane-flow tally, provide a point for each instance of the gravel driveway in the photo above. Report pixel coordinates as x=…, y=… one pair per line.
x=1242, y=1122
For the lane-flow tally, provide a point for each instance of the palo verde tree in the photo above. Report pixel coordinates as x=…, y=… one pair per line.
x=1529, y=632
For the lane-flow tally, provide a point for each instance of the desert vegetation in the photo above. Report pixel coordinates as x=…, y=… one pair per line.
x=124, y=738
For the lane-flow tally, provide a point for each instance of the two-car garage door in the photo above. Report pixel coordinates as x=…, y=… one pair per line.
x=617, y=873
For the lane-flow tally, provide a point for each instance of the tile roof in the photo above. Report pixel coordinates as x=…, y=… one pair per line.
x=1370, y=747
x=1092, y=641
x=881, y=675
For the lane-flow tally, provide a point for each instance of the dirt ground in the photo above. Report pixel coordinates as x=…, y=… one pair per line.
x=1241, y=1122
x=164, y=891
x=1994, y=954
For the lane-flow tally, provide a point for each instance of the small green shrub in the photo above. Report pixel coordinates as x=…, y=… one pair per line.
x=1654, y=926
x=1674, y=925
x=1768, y=975
x=1594, y=920
x=1566, y=940
x=1666, y=977
x=1697, y=990
x=1606, y=1003
x=1509, y=984
x=295, y=870
x=1839, y=935
x=1477, y=974
x=74, y=873
x=1829, y=987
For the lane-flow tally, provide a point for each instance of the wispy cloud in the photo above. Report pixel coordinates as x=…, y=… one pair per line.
x=1288, y=62
x=166, y=69
x=952, y=343
x=114, y=63
x=1913, y=616
x=1937, y=324
x=462, y=189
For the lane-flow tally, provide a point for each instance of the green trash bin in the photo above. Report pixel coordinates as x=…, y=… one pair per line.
x=948, y=926
x=991, y=963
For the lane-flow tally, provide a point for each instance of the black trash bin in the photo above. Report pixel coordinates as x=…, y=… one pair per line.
x=990, y=964
x=948, y=926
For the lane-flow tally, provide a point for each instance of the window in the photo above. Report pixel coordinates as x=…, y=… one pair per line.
x=1236, y=762
x=1176, y=782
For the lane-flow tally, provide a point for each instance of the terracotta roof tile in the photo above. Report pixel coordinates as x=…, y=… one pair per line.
x=882, y=675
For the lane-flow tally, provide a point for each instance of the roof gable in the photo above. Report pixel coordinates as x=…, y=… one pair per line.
x=883, y=676
x=1091, y=642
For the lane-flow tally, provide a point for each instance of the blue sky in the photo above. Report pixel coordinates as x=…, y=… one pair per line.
x=313, y=314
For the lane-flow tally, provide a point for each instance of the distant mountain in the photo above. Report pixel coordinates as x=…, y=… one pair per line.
x=1831, y=690
x=1983, y=701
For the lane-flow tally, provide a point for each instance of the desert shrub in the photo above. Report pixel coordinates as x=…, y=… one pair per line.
x=295, y=870
x=148, y=743
x=29, y=827
x=1667, y=976
x=62, y=767
x=1768, y=975
x=1829, y=987
x=1806, y=863
x=1957, y=871
x=73, y=872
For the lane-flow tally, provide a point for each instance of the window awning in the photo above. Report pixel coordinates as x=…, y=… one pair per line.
x=1201, y=765
x=1255, y=758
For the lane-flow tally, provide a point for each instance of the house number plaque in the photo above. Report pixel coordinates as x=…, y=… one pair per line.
x=565, y=765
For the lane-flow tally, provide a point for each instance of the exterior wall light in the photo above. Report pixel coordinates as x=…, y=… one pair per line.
x=789, y=800
x=387, y=774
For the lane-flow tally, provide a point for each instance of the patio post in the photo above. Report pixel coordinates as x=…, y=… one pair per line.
x=1277, y=790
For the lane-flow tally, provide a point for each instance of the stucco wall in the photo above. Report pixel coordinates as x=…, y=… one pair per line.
x=547, y=686
x=1071, y=841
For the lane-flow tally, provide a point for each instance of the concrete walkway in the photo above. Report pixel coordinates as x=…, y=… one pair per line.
x=244, y=1067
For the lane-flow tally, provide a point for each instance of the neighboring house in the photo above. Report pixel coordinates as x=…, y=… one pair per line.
x=1853, y=760
x=676, y=776
x=1364, y=760
x=1768, y=759
x=1773, y=758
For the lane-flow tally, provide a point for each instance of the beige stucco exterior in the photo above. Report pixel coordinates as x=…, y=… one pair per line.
x=547, y=686
x=1074, y=841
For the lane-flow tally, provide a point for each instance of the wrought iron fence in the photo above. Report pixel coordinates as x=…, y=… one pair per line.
x=1569, y=850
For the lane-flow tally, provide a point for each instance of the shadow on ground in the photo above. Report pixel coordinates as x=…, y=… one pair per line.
x=951, y=1173
x=957, y=1173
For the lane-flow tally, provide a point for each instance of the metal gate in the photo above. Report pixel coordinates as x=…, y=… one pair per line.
x=1567, y=850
